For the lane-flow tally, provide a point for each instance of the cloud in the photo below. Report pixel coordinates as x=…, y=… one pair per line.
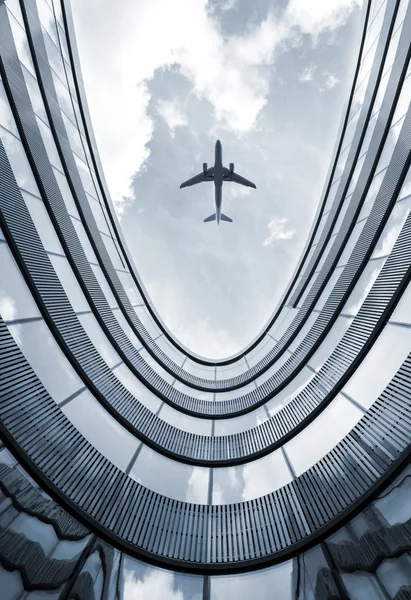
x=278, y=231
x=230, y=73
x=171, y=112
x=155, y=586
x=308, y=74
x=330, y=81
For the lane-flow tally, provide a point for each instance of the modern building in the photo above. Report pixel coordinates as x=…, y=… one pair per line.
x=131, y=468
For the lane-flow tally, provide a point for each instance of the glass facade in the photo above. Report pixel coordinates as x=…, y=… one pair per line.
x=131, y=468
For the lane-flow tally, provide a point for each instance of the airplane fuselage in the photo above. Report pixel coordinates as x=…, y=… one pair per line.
x=218, y=179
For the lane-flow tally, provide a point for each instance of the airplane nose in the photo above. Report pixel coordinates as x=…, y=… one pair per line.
x=218, y=143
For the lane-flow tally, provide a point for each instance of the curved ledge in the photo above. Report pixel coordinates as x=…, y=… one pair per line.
x=199, y=537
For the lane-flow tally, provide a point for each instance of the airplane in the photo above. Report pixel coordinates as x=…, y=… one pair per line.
x=218, y=174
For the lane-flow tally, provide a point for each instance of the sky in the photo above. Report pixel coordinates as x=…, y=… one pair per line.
x=164, y=80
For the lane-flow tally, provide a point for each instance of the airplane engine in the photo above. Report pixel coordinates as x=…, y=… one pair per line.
x=204, y=168
x=231, y=167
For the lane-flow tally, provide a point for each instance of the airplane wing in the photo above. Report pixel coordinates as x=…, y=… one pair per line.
x=207, y=176
x=232, y=176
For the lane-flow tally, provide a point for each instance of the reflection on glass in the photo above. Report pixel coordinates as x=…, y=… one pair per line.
x=380, y=365
x=371, y=195
x=290, y=391
x=42, y=221
x=330, y=343
x=99, y=339
x=170, y=350
x=267, y=584
x=147, y=321
x=277, y=332
x=16, y=301
x=392, y=228
x=157, y=368
x=112, y=302
x=251, y=480
x=236, y=368
x=355, y=234
x=22, y=46
x=318, y=438
x=129, y=287
x=137, y=388
x=66, y=193
x=101, y=429
x=328, y=288
x=170, y=477
x=19, y=163
x=185, y=422
x=6, y=116
x=140, y=581
x=202, y=395
x=363, y=286
x=242, y=423
x=81, y=232
x=259, y=352
x=46, y=359
x=69, y=282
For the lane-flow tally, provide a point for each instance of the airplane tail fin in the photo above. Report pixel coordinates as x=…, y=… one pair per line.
x=210, y=218
x=225, y=218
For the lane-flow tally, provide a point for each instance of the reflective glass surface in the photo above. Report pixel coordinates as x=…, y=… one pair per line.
x=22, y=46
x=363, y=286
x=241, y=423
x=19, y=163
x=81, y=232
x=49, y=143
x=355, y=234
x=228, y=371
x=251, y=480
x=99, y=339
x=185, y=422
x=277, y=332
x=202, y=395
x=147, y=321
x=46, y=359
x=380, y=365
x=69, y=282
x=170, y=350
x=392, y=228
x=170, y=477
x=101, y=429
x=290, y=391
x=156, y=366
x=43, y=223
x=371, y=195
x=140, y=581
x=328, y=288
x=112, y=302
x=260, y=351
x=112, y=251
x=16, y=301
x=130, y=287
x=66, y=193
x=267, y=584
x=127, y=329
x=318, y=438
x=137, y=388
x=330, y=343
x=6, y=116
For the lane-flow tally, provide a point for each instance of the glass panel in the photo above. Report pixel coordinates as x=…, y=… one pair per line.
x=6, y=116
x=140, y=581
x=130, y=288
x=402, y=313
x=156, y=367
x=356, y=174
x=127, y=329
x=240, y=366
x=390, y=144
x=304, y=331
x=112, y=302
x=349, y=247
x=112, y=251
x=81, y=232
x=66, y=193
x=380, y=365
x=16, y=301
x=392, y=228
x=171, y=351
x=101, y=429
x=290, y=391
x=19, y=163
x=273, y=369
x=99, y=339
x=404, y=99
x=70, y=284
x=371, y=195
x=238, y=393
x=85, y=176
x=320, y=229
x=242, y=423
x=171, y=478
x=330, y=343
x=137, y=388
x=362, y=586
x=260, y=351
x=147, y=321
x=278, y=332
x=22, y=46
x=43, y=223
x=46, y=17
x=405, y=188
x=251, y=480
x=185, y=422
x=46, y=359
x=363, y=286
x=35, y=95
x=49, y=143
x=328, y=288
x=73, y=137
x=268, y=584
x=203, y=371
x=98, y=215
x=318, y=438
x=202, y=395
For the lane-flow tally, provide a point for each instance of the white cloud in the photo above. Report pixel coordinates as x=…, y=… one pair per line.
x=171, y=112
x=330, y=81
x=308, y=74
x=278, y=231
x=230, y=73
x=155, y=586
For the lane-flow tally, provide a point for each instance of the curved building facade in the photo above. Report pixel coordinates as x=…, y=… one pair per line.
x=132, y=468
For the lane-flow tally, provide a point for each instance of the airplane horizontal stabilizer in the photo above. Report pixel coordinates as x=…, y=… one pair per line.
x=225, y=218
x=210, y=218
